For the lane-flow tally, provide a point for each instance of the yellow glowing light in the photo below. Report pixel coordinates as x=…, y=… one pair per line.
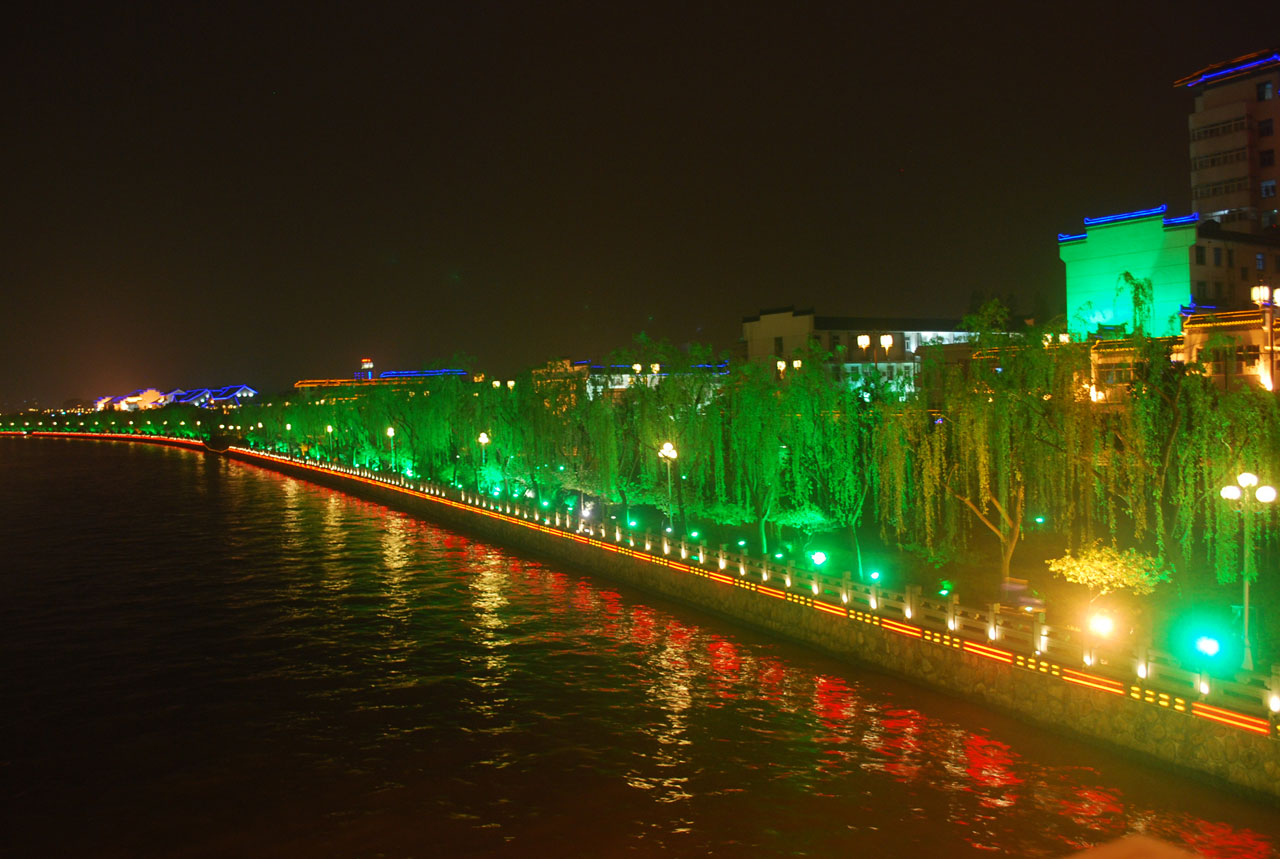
x=1265, y=494
x=1101, y=624
x=1247, y=478
x=1231, y=493
x=886, y=340
x=864, y=341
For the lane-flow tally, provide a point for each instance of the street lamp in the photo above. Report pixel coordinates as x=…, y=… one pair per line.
x=329, y=429
x=484, y=441
x=1261, y=296
x=391, y=434
x=1239, y=492
x=668, y=455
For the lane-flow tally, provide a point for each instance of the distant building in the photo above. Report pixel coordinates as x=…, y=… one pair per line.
x=890, y=345
x=1233, y=129
x=150, y=398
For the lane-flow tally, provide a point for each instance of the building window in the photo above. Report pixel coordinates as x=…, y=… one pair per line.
x=1217, y=290
x=1261, y=260
x=1268, y=188
x=1217, y=256
x=777, y=346
x=1231, y=257
x=1266, y=91
x=1266, y=127
x=1267, y=158
x=1202, y=292
x=1244, y=272
x=1199, y=255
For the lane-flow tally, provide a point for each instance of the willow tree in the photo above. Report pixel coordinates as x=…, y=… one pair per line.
x=980, y=447
x=830, y=430
x=754, y=429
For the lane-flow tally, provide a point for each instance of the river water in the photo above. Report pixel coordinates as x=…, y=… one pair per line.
x=204, y=658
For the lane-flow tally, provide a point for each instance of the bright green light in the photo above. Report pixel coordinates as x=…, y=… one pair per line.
x=562, y=468
x=1208, y=646
x=777, y=554
x=693, y=534
x=819, y=558
x=546, y=503
x=1039, y=520
x=742, y=542
x=631, y=524
x=875, y=575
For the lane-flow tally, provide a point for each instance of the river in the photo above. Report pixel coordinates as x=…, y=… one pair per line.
x=205, y=658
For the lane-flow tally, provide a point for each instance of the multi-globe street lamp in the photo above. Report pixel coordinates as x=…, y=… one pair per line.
x=1249, y=498
x=668, y=455
x=1261, y=296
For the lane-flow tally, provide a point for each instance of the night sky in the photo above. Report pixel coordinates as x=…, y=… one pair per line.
x=200, y=194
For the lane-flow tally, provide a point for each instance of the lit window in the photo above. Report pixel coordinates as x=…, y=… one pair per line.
x=1268, y=188
x=1266, y=91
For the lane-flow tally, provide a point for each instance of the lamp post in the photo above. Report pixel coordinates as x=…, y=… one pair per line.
x=1248, y=505
x=886, y=342
x=288, y=438
x=1261, y=296
x=329, y=429
x=484, y=442
x=391, y=434
x=668, y=455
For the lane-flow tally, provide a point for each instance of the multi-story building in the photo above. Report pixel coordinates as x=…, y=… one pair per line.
x=888, y=345
x=1234, y=135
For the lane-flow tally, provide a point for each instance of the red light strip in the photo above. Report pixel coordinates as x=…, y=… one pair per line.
x=988, y=652
x=1227, y=717
x=830, y=609
x=772, y=592
x=901, y=628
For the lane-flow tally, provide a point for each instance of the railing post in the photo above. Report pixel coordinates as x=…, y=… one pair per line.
x=993, y=621
x=912, y=608
x=1273, y=698
x=1037, y=632
x=791, y=568
x=874, y=598
x=953, y=612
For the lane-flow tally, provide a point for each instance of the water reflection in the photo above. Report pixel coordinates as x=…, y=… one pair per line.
x=377, y=685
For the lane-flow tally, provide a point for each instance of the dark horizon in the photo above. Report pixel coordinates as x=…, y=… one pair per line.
x=206, y=196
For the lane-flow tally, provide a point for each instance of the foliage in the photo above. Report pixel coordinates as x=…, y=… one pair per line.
x=1105, y=569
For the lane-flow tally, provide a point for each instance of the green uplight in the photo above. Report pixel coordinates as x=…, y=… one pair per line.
x=631, y=524
x=777, y=554
x=1039, y=520
x=693, y=534
x=546, y=503
x=742, y=542
x=819, y=558
x=875, y=575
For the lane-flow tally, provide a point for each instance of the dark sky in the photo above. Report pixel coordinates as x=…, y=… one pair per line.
x=197, y=194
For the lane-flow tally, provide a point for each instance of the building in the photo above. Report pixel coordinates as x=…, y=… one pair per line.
x=888, y=345
x=1233, y=130
x=1194, y=267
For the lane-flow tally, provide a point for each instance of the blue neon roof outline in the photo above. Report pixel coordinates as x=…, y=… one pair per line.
x=1235, y=69
x=1125, y=216
x=1071, y=237
x=1182, y=219
x=417, y=374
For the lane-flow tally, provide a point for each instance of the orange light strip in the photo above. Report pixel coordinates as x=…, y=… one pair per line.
x=1229, y=717
x=772, y=592
x=1079, y=678
x=988, y=652
x=902, y=628
x=830, y=609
